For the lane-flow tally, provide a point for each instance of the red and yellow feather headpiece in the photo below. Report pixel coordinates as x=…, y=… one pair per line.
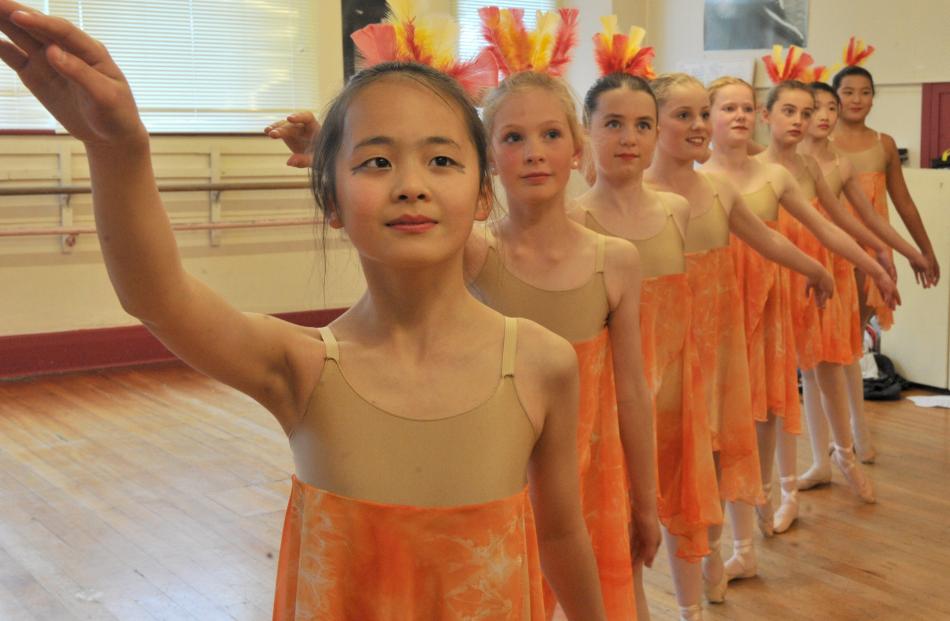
x=795, y=65
x=409, y=34
x=855, y=52
x=546, y=50
x=621, y=53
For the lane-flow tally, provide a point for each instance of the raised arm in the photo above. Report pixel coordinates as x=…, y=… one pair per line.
x=905, y=206
x=298, y=132
x=881, y=227
x=567, y=557
x=830, y=235
x=75, y=78
x=634, y=402
x=776, y=247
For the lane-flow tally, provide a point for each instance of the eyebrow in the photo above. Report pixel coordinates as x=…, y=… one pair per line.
x=387, y=141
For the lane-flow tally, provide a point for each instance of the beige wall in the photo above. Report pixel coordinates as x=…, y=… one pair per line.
x=273, y=270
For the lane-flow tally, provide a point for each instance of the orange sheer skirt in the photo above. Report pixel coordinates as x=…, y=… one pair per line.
x=770, y=338
x=719, y=330
x=846, y=291
x=605, y=497
x=342, y=558
x=874, y=186
x=821, y=334
x=688, y=494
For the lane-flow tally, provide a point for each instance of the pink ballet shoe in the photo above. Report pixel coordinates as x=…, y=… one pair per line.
x=715, y=590
x=857, y=480
x=787, y=511
x=816, y=476
x=691, y=613
x=742, y=563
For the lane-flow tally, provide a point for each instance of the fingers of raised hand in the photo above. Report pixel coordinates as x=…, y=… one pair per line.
x=44, y=30
x=25, y=41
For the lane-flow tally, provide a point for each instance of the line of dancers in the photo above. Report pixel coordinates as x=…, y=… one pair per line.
x=521, y=408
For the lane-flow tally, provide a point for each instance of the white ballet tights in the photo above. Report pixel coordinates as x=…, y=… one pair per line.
x=859, y=422
x=687, y=579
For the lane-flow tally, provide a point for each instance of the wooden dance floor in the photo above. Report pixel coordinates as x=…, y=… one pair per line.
x=156, y=493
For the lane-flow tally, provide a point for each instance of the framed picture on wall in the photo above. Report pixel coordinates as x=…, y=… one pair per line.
x=754, y=24
x=356, y=14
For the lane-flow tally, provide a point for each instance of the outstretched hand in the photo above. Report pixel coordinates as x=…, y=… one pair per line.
x=298, y=132
x=71, y=74
x=822, y=286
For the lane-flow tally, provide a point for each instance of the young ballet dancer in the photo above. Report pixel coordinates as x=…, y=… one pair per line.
x=620, y=115
x=878, y=170
x=766, y=289
x=585, y=287
x=717, y=211
x=417, y=417
x=821, y=335
x=842, y=180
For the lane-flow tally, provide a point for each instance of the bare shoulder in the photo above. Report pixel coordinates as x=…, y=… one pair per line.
x=550, y=358
x=620, y=255
x=476, y=251
x=677, y=204
x=812, y=165
x=722, y=186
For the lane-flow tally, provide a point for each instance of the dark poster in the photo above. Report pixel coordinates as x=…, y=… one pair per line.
x=356, y=14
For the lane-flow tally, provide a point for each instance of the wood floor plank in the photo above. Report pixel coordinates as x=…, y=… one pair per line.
x=156, y=493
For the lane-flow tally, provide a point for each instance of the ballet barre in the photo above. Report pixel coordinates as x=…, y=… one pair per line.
x=70, y=233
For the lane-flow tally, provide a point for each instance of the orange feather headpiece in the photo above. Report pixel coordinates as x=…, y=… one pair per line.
x=855, y=52
x=411, y=35
x=546, y=50
x=620, y=53
x=795, y=65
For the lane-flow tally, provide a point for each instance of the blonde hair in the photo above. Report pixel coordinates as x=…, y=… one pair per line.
x=720, y=83
x=666, y=82
x=526, y=80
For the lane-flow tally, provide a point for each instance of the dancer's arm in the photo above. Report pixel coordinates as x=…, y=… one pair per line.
x=567, y=557
x=634, y=402
x=881, y=227
x=846, y=220
x=774, y=246
x=905, y=206
x=830, y=235
x=298, y=132
x=75, y=78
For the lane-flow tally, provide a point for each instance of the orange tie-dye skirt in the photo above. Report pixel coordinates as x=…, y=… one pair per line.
x=770, y=339
x=345, y=559
x=719, y=330
x=874, y=186
x=605, y=497
x=688, y=494
x=821, y=334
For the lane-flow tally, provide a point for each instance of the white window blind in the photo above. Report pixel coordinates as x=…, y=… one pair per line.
x=194, y=65
x=470, y=26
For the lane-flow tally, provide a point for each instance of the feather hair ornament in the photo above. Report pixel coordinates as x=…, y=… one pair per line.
x=546, y=50
x=793, y=67
x=410, y=34
x=855, y=53
x=620, y=53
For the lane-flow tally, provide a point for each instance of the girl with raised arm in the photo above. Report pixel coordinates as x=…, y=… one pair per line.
x=429, y=432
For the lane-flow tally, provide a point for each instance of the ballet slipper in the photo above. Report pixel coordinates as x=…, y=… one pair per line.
x=857, y=480
x=868, y=455
x=691, y=613
x=787, y=511
x=816, y=476
x=715, y=590
x=742, y=563
x=764, y=512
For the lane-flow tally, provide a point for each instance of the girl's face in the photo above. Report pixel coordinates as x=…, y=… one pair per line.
x=684, y=117
x=733, y=115
x=857, y=97
x=623, y=133
x=532, y=148
x=825, y=117
x=790, y=116
x=407, y=181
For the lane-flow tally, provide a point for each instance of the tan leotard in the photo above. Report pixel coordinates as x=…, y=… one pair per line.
x=710, y=229
x=807, y=183
x=834, y=180
x=575, y=314
x=763, y=202
x=347, y=446
x=661, y=254
x=872, y=159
